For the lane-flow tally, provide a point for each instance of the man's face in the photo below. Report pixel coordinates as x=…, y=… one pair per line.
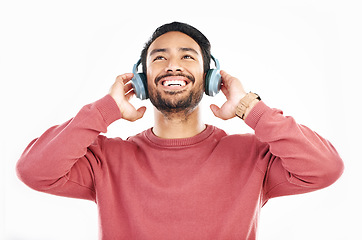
x=175, y=73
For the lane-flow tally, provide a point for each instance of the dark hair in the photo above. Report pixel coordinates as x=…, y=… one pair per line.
x=187, y=29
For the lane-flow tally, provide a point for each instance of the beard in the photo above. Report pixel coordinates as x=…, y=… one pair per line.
x=175, y=104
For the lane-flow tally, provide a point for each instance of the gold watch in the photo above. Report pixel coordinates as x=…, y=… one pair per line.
x=245, y=103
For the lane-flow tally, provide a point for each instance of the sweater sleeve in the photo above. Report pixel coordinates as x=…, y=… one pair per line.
x=299, y=160
x=60, y=161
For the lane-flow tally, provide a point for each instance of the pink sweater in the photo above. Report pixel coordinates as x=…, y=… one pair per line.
x=210, y=186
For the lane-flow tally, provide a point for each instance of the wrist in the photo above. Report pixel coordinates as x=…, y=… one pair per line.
x=246, y=104
x=251, y=106
x=108, y=108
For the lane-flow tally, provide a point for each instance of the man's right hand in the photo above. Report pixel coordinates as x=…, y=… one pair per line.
x=121, y=91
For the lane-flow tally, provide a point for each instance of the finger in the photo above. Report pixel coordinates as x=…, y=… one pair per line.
x=117, y=88
x=124, y=77
x=226, y=78
x=127, y=87
x=128, y=77
x=233, y=86
x=224, y=74
x=225, y=91
x=129, y=95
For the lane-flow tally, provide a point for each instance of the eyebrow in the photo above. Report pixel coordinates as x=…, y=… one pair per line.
x=188, y=50
x=157, y=50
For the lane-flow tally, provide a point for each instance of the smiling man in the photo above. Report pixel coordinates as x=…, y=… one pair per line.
x=178, y=73
x=181, y=179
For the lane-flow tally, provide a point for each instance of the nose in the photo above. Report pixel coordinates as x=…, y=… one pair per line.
x=174, y=66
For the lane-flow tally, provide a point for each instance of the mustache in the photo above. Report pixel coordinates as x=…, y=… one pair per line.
x=191, y=78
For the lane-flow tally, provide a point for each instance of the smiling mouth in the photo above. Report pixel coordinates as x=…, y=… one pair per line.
x=174, y=83
x=172, y=80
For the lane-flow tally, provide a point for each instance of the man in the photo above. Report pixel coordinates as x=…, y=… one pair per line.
x=181, y=179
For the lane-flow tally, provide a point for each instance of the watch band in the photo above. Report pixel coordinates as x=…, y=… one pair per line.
x=245, y=103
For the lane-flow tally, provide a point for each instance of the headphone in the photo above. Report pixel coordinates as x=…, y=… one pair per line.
x=212, y=81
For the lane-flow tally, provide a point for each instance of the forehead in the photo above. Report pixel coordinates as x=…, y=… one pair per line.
x=174, y=40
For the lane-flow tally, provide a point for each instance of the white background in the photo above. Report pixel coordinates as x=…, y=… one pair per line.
x=303, y=57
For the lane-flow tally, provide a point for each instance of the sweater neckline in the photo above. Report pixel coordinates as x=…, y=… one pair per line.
x=179, y=142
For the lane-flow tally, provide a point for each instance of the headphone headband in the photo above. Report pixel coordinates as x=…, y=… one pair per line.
x=134, y=70
x=217, y=64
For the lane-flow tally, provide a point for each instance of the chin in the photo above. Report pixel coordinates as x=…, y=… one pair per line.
x=176, y=101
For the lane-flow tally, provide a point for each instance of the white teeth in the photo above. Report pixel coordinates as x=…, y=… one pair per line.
x=174, y=82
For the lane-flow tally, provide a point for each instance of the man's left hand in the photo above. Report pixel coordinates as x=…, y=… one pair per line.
x=234, y=92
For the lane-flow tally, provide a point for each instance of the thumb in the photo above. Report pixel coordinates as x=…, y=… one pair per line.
x=215, y=110
x=141, y=111
x=139, y=114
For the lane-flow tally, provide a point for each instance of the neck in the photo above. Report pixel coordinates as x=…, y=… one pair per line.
x=178, y=125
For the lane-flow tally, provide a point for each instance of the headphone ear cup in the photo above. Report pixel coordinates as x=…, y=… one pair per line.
x=212, y=82
x=139, y=84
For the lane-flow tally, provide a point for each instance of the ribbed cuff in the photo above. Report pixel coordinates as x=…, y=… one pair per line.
x=109, y=109
x=256, y=113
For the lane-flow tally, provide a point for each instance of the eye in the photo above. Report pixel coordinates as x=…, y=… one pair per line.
x=188, y=57
x=159, y=58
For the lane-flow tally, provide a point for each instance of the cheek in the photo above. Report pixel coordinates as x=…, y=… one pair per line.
x=201, y=77
x=152, y=72
x=150, y=78
x=200, y=71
